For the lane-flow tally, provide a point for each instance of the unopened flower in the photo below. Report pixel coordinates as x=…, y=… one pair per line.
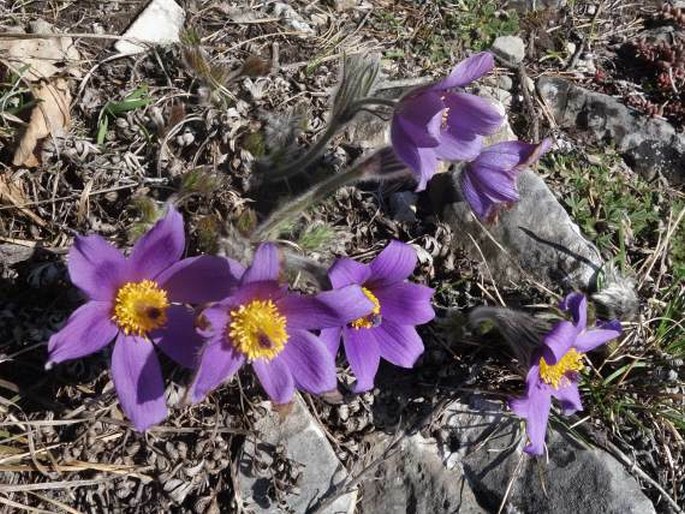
x=438, y=123
x=489, y=181
x=136, y=302
x=555, y=370
x=398, y=306
x=263, y=324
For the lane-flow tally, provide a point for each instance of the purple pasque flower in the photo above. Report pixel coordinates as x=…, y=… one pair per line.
x=436, y=122
x=136, y=302
x=398, y=306
x=555, y=369
x=264, y=324
x=489, y=181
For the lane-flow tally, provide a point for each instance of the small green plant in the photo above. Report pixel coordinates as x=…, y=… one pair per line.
x=138, y=98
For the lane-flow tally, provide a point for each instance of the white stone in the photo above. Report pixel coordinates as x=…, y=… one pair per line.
x=511, y=48
x=159, y=23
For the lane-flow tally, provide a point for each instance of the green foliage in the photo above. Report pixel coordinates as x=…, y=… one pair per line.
x=147, y=211
x=139, y=97
x=478, y=22
x=315, y=237
x=611, y=205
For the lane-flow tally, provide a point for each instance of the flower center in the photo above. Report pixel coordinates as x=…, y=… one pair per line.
x=258, y=330
x=140, y=307
x=556, y=374
x=370, y=320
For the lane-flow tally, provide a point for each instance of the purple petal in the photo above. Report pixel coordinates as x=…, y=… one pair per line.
x=466, y=72
x=395, y=263
x=363, y=354
x=159, y=248
x=88, y=330
x=268, y=290
x=311, y=364
x=498, y=185
x=347, y=271
x=512, y=154
x=266, y=264
x=96, y=267
x=399, y=344
x=558, y=341
x=569, y=398
x=217, y=363
x=471, y=113
x=480, y=203
x=534, y=407
x=419, y=116
x=138, y=381
x=406, y=303
x=212, y=321
x=200, y=279
x=459, y=145
x=330, y=337
x=591, y=339
x=422, y=161
x=178, y=339
x=276, y=379
x=325, y=310
x=576, y=304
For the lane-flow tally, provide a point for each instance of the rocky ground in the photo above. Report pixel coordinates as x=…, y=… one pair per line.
x=200, y=123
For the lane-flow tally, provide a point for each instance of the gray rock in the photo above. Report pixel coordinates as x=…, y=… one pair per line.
x=478, y=463
x=648, y=145
x=414, y=479
x=314, y=467
x=576, y=478
x=511, y=48
x=536, y=235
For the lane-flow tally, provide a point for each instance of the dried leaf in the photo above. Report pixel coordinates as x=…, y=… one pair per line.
x=11, y=193
x=50, y=116
x=37, y=58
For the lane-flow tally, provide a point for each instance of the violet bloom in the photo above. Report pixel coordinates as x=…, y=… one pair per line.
x=135, y=301
x=489, y=181
x=435, y=122
x=555, y=369
x=398, y=306
x=263, y=324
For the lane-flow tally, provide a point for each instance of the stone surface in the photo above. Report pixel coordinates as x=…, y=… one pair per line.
x=478, y=464
x=648, y=145
x=511, y=48
x=414, y=479
x=159, y=23
x=576, y=478
x=316, y=468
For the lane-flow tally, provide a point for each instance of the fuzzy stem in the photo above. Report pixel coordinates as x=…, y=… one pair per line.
x=373, y=100
x=291, y=210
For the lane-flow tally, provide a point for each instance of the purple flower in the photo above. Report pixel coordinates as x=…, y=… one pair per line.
x=264, y=324
x=135, y=301
x=489, y=181
x=435, y=122
x=398, y=306
x=555, y=368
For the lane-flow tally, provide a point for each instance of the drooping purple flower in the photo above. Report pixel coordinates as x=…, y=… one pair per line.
x=437, y=122
x=555, y=368
x=264, y=324
x=489, y=181
x=137, y=301
x=398, y=306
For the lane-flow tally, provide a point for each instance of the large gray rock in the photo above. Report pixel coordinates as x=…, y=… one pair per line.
x=535, y=237
x=414, y=479
x=648, y=145
x=291, y=459
x=575, y=479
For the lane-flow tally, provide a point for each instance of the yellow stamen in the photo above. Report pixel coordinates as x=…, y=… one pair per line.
x=258, y=330
x=445, y=117
x=556, y=374
x=140, y=307
x=370, y=320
